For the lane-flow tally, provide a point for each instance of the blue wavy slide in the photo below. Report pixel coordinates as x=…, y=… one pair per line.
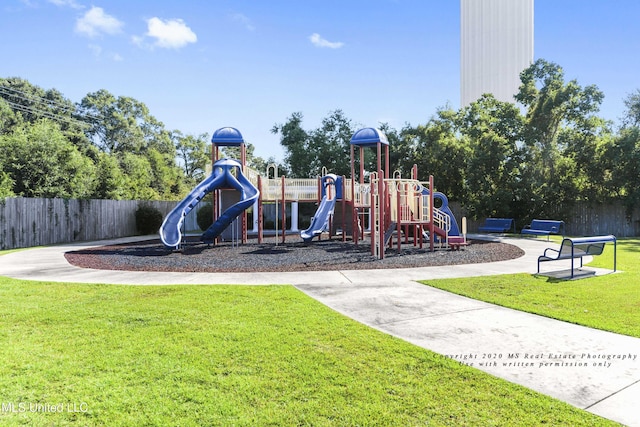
x=221, y=177
x=454, y=231
x=325, y=210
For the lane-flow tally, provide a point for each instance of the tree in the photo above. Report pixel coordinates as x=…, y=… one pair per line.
x=492, y=129
x=553, y=107
x=631, y=117
x=584, y=171
x=122, y=124
x=331, y=145
x=110, y=179
x=138, y=175
x=124, y=127
x=43, y=163
x=623, y=155
x=8, y=119
x=166, y=179
x=402, y=154
x=193, y=155
x=32, y=103
x=624, y=161
x=438, y=150
x=295, y=142
x=6, y=184
x=306, y=153
x=255, y=162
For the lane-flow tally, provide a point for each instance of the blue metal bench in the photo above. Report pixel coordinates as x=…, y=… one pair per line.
x=498, y=225
x=577, y=247
x=544, y=227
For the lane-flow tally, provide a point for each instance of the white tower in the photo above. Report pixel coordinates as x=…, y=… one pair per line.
x=496, y=44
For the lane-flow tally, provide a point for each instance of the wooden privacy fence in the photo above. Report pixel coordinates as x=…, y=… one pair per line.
x=600, y=219
x=581, y=219
x=28, y=222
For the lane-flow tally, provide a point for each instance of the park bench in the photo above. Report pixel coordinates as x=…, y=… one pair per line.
x=455, y=242
x=544, y=227
x=498, y=225
x=573, y=248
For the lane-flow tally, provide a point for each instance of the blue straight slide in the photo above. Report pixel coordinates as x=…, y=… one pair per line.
x=221, y=177
x=325, y=210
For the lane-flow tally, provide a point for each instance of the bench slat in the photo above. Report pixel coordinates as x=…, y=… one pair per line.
x=578, y=247
x=497, y=225
x=543, y=227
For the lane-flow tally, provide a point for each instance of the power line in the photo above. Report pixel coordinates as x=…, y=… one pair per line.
x=44, y=113
x=33, y=98
x=7, y=93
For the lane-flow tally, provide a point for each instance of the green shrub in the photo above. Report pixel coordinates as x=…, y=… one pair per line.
x=148, y=219
x=6, y=185
x=204, y=216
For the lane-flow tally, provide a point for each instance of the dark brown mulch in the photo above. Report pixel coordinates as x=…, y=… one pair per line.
x=294, y=255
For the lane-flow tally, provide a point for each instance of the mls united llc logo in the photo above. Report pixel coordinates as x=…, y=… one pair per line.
x=22, y=407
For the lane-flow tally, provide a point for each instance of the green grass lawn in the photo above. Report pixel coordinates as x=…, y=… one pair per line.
x=610, y=302
x=232, y=355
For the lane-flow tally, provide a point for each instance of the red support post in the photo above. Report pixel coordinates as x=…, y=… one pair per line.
x=284, y=211
x=379, y=160
x=361, y=165
x=373, y=220
x=383, y=199
x=259, y=213
x=354, y=208
x=431, y=224
x=344, y=209
x=214, y=194
x=386, y=160
x=243, y=161
x=398, y=219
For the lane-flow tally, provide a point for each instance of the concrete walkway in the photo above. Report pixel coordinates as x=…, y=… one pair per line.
x=590, y=369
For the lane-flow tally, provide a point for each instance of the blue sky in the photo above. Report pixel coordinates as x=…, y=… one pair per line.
x=203, y=64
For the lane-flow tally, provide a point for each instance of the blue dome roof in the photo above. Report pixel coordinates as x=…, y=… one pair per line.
x=227, y=136
x=369, y=136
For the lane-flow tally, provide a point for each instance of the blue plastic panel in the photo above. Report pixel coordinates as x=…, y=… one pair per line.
x=369, y=136
x=227, y=136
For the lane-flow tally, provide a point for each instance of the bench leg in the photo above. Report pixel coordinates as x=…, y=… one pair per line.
x=572, y=269
x=572, y=259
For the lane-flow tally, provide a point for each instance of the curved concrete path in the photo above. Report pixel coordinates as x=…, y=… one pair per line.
x=594, y=370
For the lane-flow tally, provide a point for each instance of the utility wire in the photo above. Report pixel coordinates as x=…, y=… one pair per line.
x=10, y=95
x=11, y=91
x=45, y=114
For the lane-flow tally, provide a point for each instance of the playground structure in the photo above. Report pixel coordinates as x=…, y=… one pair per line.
x=382, y=208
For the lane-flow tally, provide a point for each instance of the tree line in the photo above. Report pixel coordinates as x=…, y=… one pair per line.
x=104, y=147
x=523, y=159
x=546, y=150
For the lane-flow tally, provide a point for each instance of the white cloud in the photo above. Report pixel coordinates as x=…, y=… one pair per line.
x=96, y=50
x=96, y=22
x=318, y=41
x=98, y=53
x=138, y=41
x=171, y=34
x=242, y=19
x=70, y=3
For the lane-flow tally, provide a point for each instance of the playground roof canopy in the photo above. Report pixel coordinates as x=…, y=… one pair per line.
x=227, y=136
x=369, y=136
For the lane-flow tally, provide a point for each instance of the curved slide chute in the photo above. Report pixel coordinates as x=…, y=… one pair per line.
x=454, y=231
x=320, y=220
x=221, y=177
